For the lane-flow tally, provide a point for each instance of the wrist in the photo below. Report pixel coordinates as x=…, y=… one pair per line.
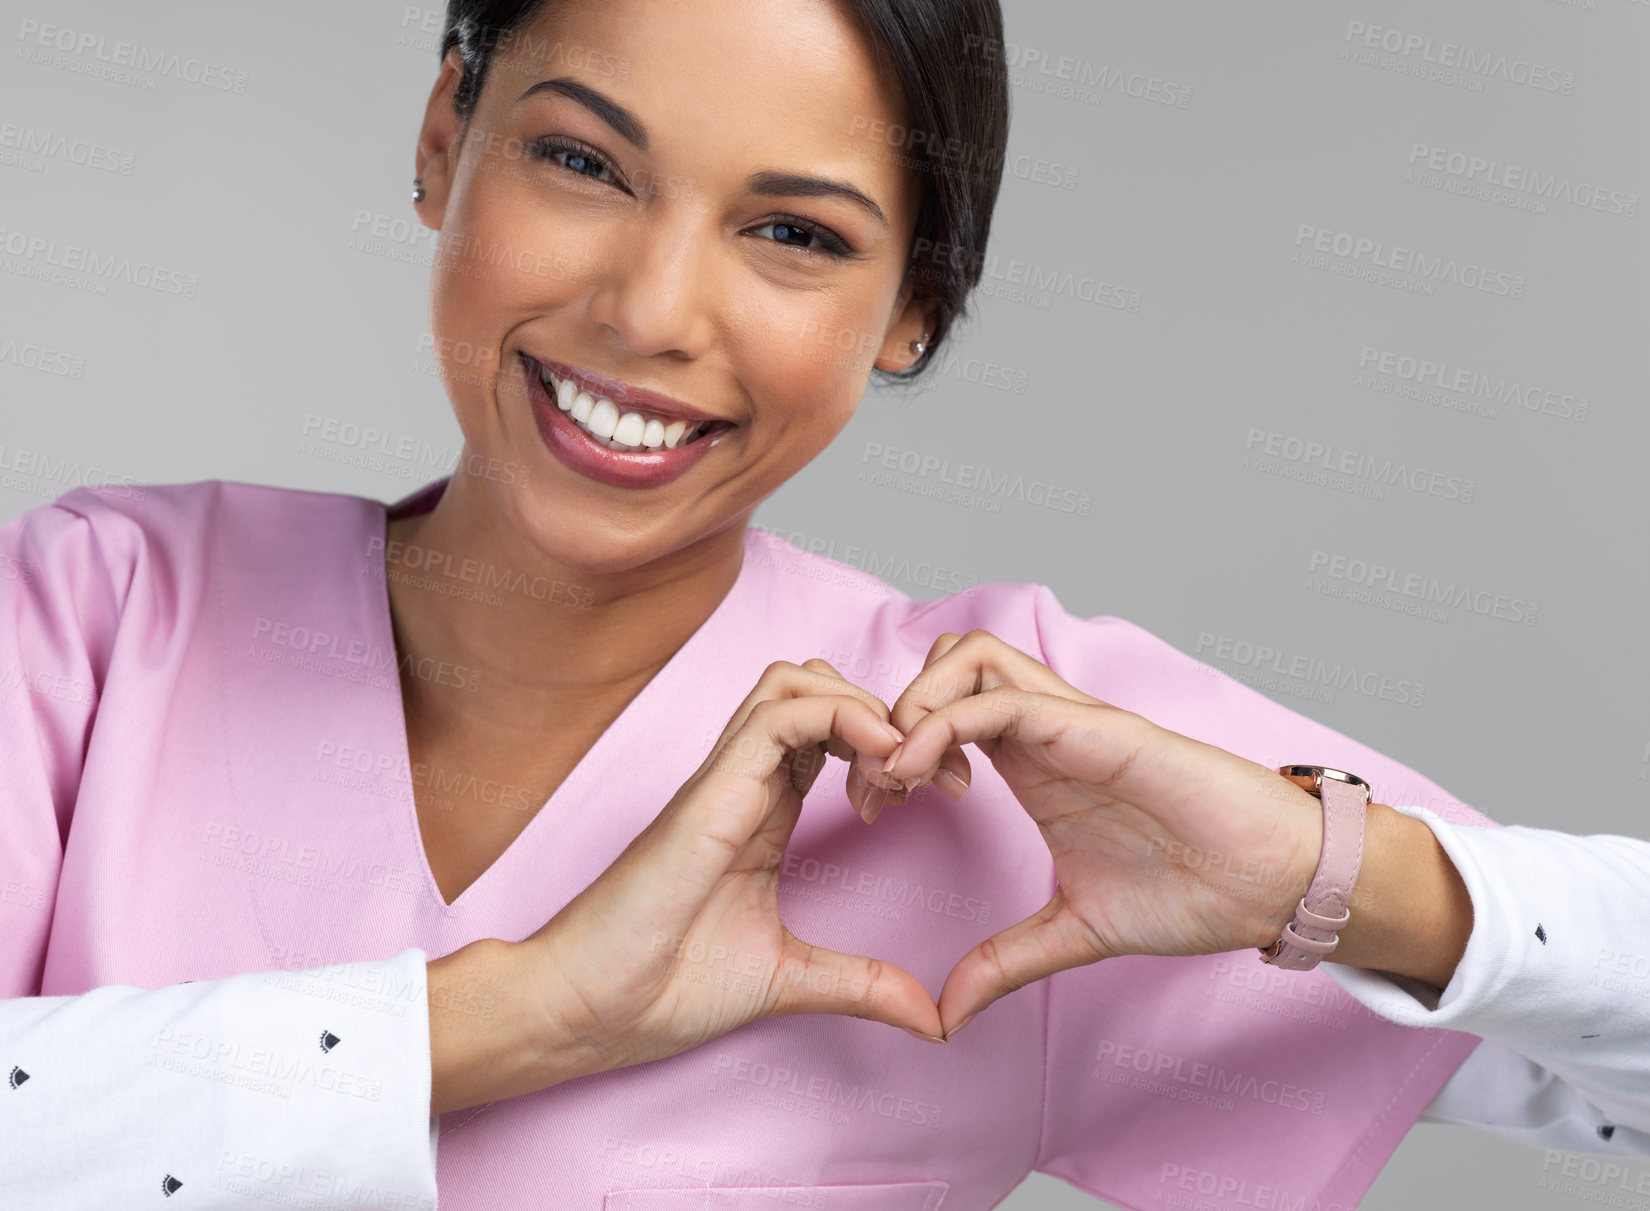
x=486, y=1041
x=1411, y=914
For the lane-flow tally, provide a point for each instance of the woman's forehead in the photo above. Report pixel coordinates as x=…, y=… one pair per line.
x=805, y=64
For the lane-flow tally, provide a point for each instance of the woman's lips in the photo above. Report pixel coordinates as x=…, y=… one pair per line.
x=577, y=449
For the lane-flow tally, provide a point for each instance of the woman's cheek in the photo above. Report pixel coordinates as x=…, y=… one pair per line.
x=818, y=356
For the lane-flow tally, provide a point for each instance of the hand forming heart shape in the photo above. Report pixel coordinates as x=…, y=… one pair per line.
x=1131, y=813
x=680, y=939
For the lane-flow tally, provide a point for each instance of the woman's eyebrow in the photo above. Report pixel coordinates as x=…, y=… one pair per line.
x=795, y=185
x=604, y=107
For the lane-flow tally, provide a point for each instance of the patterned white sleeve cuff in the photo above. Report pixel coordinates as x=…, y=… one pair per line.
x=1557, y=966
x=267, y=1088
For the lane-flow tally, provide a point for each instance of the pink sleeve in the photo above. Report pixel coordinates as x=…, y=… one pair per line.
x=98, y=1108
x=1172, y=1078
x=59, y=610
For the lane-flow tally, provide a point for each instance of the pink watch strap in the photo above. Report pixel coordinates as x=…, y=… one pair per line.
x=1322, y=913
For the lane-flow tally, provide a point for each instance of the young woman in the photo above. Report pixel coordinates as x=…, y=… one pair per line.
x=644, y=942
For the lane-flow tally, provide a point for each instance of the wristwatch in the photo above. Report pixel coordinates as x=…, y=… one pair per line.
x=1323, y=912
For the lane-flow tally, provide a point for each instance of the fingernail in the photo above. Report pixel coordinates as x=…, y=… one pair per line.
x=893, y=757
x=953, y=786
x=950, y=1034
x=874, y=802
x=894, y=734
x=917, y=1034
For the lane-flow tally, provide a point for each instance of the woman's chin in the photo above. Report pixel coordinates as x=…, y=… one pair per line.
x=599, y=551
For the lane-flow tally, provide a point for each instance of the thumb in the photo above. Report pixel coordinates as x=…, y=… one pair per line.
x=1050, y=940
x=817, y=980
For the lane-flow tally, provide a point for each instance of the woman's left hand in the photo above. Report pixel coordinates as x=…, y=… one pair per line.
x=1162, y=845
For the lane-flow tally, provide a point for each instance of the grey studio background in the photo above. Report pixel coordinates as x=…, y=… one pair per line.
x=1247, y=257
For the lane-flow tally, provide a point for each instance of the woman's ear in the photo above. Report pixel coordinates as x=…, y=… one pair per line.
x=436, y=159
x=913, y=321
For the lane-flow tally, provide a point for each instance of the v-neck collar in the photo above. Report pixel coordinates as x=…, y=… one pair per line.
x=708, y=649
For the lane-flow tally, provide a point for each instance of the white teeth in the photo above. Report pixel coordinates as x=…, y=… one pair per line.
x=604, y=418
x=601, y=419
x=629, y=430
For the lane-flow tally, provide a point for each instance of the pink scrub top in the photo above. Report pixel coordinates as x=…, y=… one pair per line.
x=207, y=768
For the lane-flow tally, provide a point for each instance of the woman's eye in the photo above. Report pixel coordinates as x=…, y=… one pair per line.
x=790, y=233
x=808, y=239
x=582, y=164
x=574, y=159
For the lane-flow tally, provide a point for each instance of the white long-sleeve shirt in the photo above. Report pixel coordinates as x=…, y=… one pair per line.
x=98, y=1102
x=1555, y=980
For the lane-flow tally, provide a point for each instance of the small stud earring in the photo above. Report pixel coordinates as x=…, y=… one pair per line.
x=418, y=189
x=919, y=346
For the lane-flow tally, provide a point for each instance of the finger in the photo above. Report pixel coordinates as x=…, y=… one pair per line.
x=804, y=767
x=857, y=788
x=960, y=666
x=813, y=676
x=1050, y=940
x=866, y=770
x=736, y=794
x=954, y=773
x=814, y=979
x=1102, y=739
x=782, y=679
x=836, y=747
x=955, y=762
x=867, y=799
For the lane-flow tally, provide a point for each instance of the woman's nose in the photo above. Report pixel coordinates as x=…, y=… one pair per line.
x=656, y=289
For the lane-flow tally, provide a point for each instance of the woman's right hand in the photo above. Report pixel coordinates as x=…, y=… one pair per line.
x=680, y=939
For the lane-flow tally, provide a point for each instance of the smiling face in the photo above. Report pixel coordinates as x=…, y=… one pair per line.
x=675, y=204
